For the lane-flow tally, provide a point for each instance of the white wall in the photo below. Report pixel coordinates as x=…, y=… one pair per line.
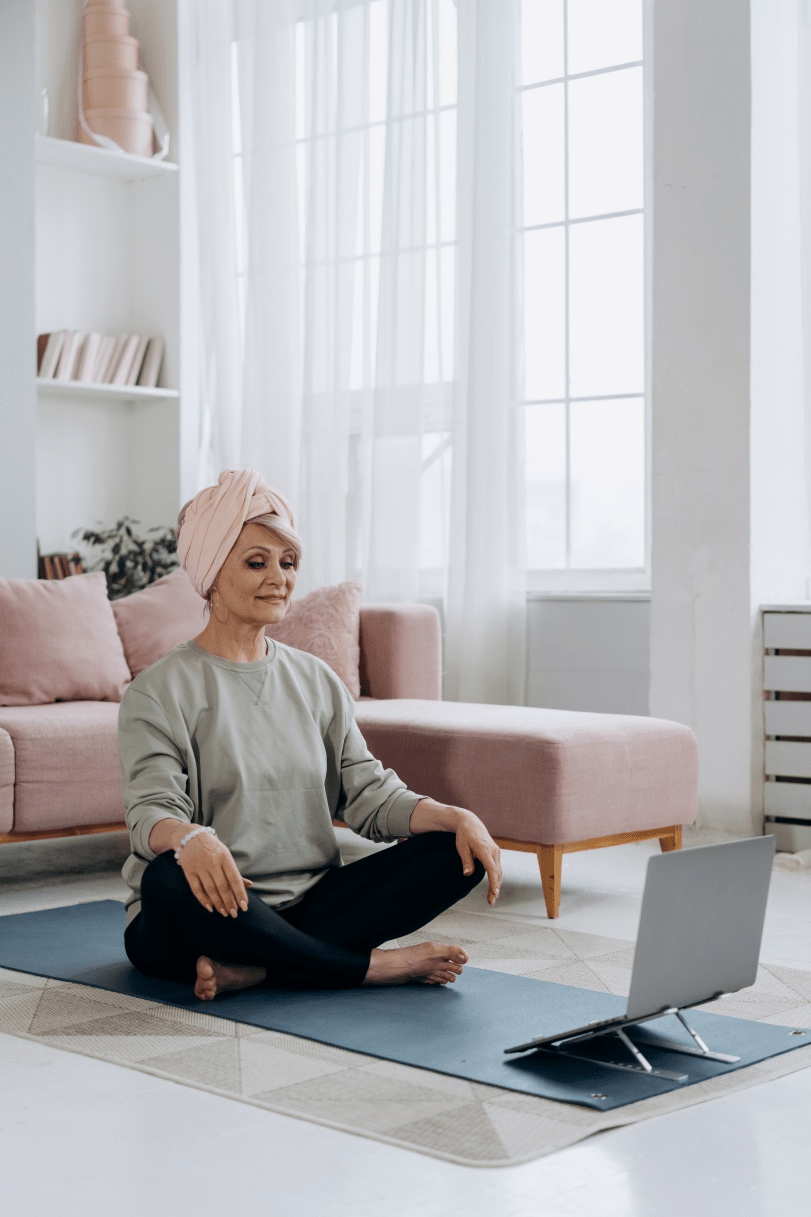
x=729, y=493
x=17, y=351
x=589, y=653
x=701, y=639
x=779, y=509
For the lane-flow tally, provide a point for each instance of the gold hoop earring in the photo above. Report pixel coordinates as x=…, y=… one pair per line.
x=213, y=610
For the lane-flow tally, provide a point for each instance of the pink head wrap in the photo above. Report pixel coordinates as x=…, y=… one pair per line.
x=214, y=518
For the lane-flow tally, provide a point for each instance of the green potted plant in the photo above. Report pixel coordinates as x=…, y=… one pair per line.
x=130, y=560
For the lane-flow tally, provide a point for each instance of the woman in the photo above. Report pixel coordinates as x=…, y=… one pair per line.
x=236, y=754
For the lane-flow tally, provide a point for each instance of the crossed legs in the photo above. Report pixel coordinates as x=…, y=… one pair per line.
x=328, y=939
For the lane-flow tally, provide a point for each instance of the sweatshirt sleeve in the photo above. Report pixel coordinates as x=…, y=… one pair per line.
x=374, y=802
x=152, y=770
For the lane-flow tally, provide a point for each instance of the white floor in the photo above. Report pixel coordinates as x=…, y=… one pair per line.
x=82, y=1137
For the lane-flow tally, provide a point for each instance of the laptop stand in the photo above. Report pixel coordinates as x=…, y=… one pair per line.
x=561, y=1045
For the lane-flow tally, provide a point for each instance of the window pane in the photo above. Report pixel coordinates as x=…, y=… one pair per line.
x=607, y=447
x=435, y=499
x=439, y=307
x=544, y=314
x=605, y=143
x=447, y=52
x=376, y=169
x=544, y=159
x=447, y=163
x=606, y=317
x=378, y=60
x=545, y=469
x=541, y=40
x=603, y=32
x=301, y=92
x=364, y=322
x=440, y=160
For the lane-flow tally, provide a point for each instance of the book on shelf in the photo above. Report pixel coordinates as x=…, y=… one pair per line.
x=124, y=365
x=50, y=356
x=138, y=359
x=115, y=360
x=60, y=565
x=93, y=358
x=153, y=358
x=86, y=366
x=104, y=359
x=71, y=349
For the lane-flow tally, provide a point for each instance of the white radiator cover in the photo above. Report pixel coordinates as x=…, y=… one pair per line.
x=787, y=725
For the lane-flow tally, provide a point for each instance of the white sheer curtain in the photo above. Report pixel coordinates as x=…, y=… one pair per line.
x=358, y=299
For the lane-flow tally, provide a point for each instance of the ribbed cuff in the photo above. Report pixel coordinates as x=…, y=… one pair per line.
x=398, y=818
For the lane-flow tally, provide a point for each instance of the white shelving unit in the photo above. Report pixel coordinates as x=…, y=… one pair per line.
x=112, y=393
x=68, y=154
x=108, y=260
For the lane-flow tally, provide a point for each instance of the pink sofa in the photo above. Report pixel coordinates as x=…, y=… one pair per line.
x=545, y=781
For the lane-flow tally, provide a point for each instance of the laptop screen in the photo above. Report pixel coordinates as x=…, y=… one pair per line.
x=701, y=924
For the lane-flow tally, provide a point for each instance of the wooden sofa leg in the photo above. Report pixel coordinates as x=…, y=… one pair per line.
x=550, y=861
x=672, y=840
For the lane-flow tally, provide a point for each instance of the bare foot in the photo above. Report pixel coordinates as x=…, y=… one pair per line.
x=214, y=977
x=430, y=963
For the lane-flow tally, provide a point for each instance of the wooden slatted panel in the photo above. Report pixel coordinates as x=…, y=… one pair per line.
x=788, y=760
x=787, y=717
x=787, y=673
x=789, y=630
x=789, y=799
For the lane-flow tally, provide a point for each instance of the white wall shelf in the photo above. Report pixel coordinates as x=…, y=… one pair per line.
x=107, y=260
x=83, y=158
x=78, y=388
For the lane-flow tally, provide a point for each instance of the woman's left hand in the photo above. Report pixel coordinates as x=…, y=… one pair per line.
x=473, y=841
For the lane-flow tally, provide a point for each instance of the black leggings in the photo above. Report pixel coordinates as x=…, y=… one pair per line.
x=324, y=940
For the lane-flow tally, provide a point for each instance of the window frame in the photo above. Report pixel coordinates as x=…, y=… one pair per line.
x=599, y=579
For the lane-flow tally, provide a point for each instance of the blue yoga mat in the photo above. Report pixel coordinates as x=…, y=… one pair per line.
x=459, y=1029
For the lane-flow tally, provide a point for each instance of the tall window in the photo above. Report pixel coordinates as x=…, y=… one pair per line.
x=380, y=141
x=580, y=251
x=376, y=140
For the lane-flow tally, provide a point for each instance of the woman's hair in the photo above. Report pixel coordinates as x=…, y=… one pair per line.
x=283, y=530
x=280, y=528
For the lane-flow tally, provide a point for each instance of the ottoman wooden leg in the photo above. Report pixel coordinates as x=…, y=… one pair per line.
x=672, y=840
x=550, y=861
x=550, y=857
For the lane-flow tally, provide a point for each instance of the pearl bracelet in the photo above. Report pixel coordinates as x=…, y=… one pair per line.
x=188, y=837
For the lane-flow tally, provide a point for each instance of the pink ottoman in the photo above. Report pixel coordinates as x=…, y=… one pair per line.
x=547, y=781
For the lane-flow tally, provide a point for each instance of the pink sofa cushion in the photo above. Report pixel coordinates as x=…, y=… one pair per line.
x=59, y=642
x=6, y=782
x=401, y=651
x=542, y=776
x=66, y=761
x=326, y=623
x=156, y=619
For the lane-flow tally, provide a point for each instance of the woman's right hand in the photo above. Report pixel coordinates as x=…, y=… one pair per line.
x=212, y=875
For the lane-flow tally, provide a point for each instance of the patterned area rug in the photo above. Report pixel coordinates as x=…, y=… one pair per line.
x=446, y=1117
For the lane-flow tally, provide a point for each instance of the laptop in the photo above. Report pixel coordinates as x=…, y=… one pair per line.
x=700, y=931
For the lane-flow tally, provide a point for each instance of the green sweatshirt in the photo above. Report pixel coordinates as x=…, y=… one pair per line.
x=267, y=753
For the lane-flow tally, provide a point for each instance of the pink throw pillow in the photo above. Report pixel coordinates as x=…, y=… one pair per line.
x=326, y=623
x=58, y=642
x=156, y=619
